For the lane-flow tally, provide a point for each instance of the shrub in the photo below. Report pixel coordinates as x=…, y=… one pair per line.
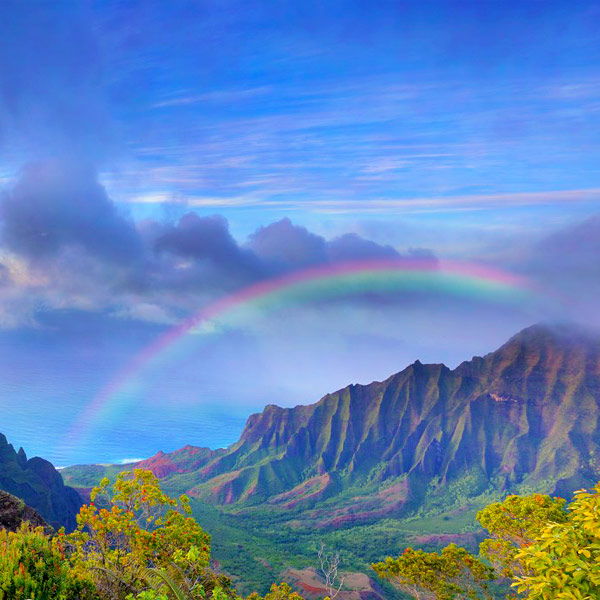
x=131, y=531
x=33, y=565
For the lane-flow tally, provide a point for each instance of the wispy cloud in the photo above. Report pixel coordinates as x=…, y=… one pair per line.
x=409, y=205
x=462, y=202
x=387, y=146
x=185, y=98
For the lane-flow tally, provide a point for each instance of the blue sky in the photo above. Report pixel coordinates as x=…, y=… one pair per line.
x=333, y=112
x=156, y=156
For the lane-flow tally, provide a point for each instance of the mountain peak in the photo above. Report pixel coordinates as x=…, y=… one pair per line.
x=512, y=418
x=39, y=485
x=554, y=333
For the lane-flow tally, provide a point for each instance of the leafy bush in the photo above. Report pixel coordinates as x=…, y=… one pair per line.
x=33, y=565
x=550, y=551
x=452, y=573
x=564, y=559
x=515, y=523
x=281, y=591
x=133, y=529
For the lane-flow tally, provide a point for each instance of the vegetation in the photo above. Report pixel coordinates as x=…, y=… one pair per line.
x=564, y=559
x=515, y=524
x=133, y=533
x=33, y=565
x=134, y=542
x=453, y=573
x=542, y=547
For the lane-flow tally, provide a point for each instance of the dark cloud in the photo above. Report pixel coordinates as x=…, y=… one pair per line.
x=198, y=253
x=78, y=251
x=421, y=254
x=205, y=238
x=353, y=247
x=284, y=245
x=57, y=204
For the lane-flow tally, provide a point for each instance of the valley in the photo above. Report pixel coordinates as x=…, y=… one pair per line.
x=369, y=470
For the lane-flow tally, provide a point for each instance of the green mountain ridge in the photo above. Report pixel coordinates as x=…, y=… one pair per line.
x=39, y=485
x=522, y=415
x=408, y=460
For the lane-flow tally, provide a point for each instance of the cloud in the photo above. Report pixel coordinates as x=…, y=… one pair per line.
x=64, y=245
x=573, y=251
x=197, y=254
x=351, y=246
x=565, y=264
x=5, y=277
x=203, y=238
x=285, y=245
x=58, y=204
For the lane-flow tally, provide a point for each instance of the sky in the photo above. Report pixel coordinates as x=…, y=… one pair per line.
x=157, y=157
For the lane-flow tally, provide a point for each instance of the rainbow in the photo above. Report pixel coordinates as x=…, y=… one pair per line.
x=468, y=280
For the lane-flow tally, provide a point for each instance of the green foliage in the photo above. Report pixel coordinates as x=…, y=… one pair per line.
x=453, y=573
x=281, y=591
x=147, y=595
x=33, y=565
x=136, y=537
x=133, y=542
x=514, y=523
x=563, y=562
x=550, y=550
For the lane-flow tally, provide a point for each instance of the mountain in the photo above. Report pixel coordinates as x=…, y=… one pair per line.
x=407, y=460
x=39, y=485
x=524, y=415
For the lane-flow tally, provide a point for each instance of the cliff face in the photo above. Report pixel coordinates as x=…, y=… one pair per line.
x=39, y=485
x=525, y=413
x=523, y=417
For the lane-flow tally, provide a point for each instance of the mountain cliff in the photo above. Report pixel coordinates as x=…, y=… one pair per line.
x=39, y=485
x=525, y=416
x=357, y=467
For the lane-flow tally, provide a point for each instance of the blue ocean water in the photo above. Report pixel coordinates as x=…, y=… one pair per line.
x=39, y=421
x=47, y=377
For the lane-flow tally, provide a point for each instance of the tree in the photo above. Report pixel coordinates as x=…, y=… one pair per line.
x=514, y=524
x=133, y=542
x=453, y=573
x=549, y=549
x=563, y=562
x=329, y=567
x=132, y=533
